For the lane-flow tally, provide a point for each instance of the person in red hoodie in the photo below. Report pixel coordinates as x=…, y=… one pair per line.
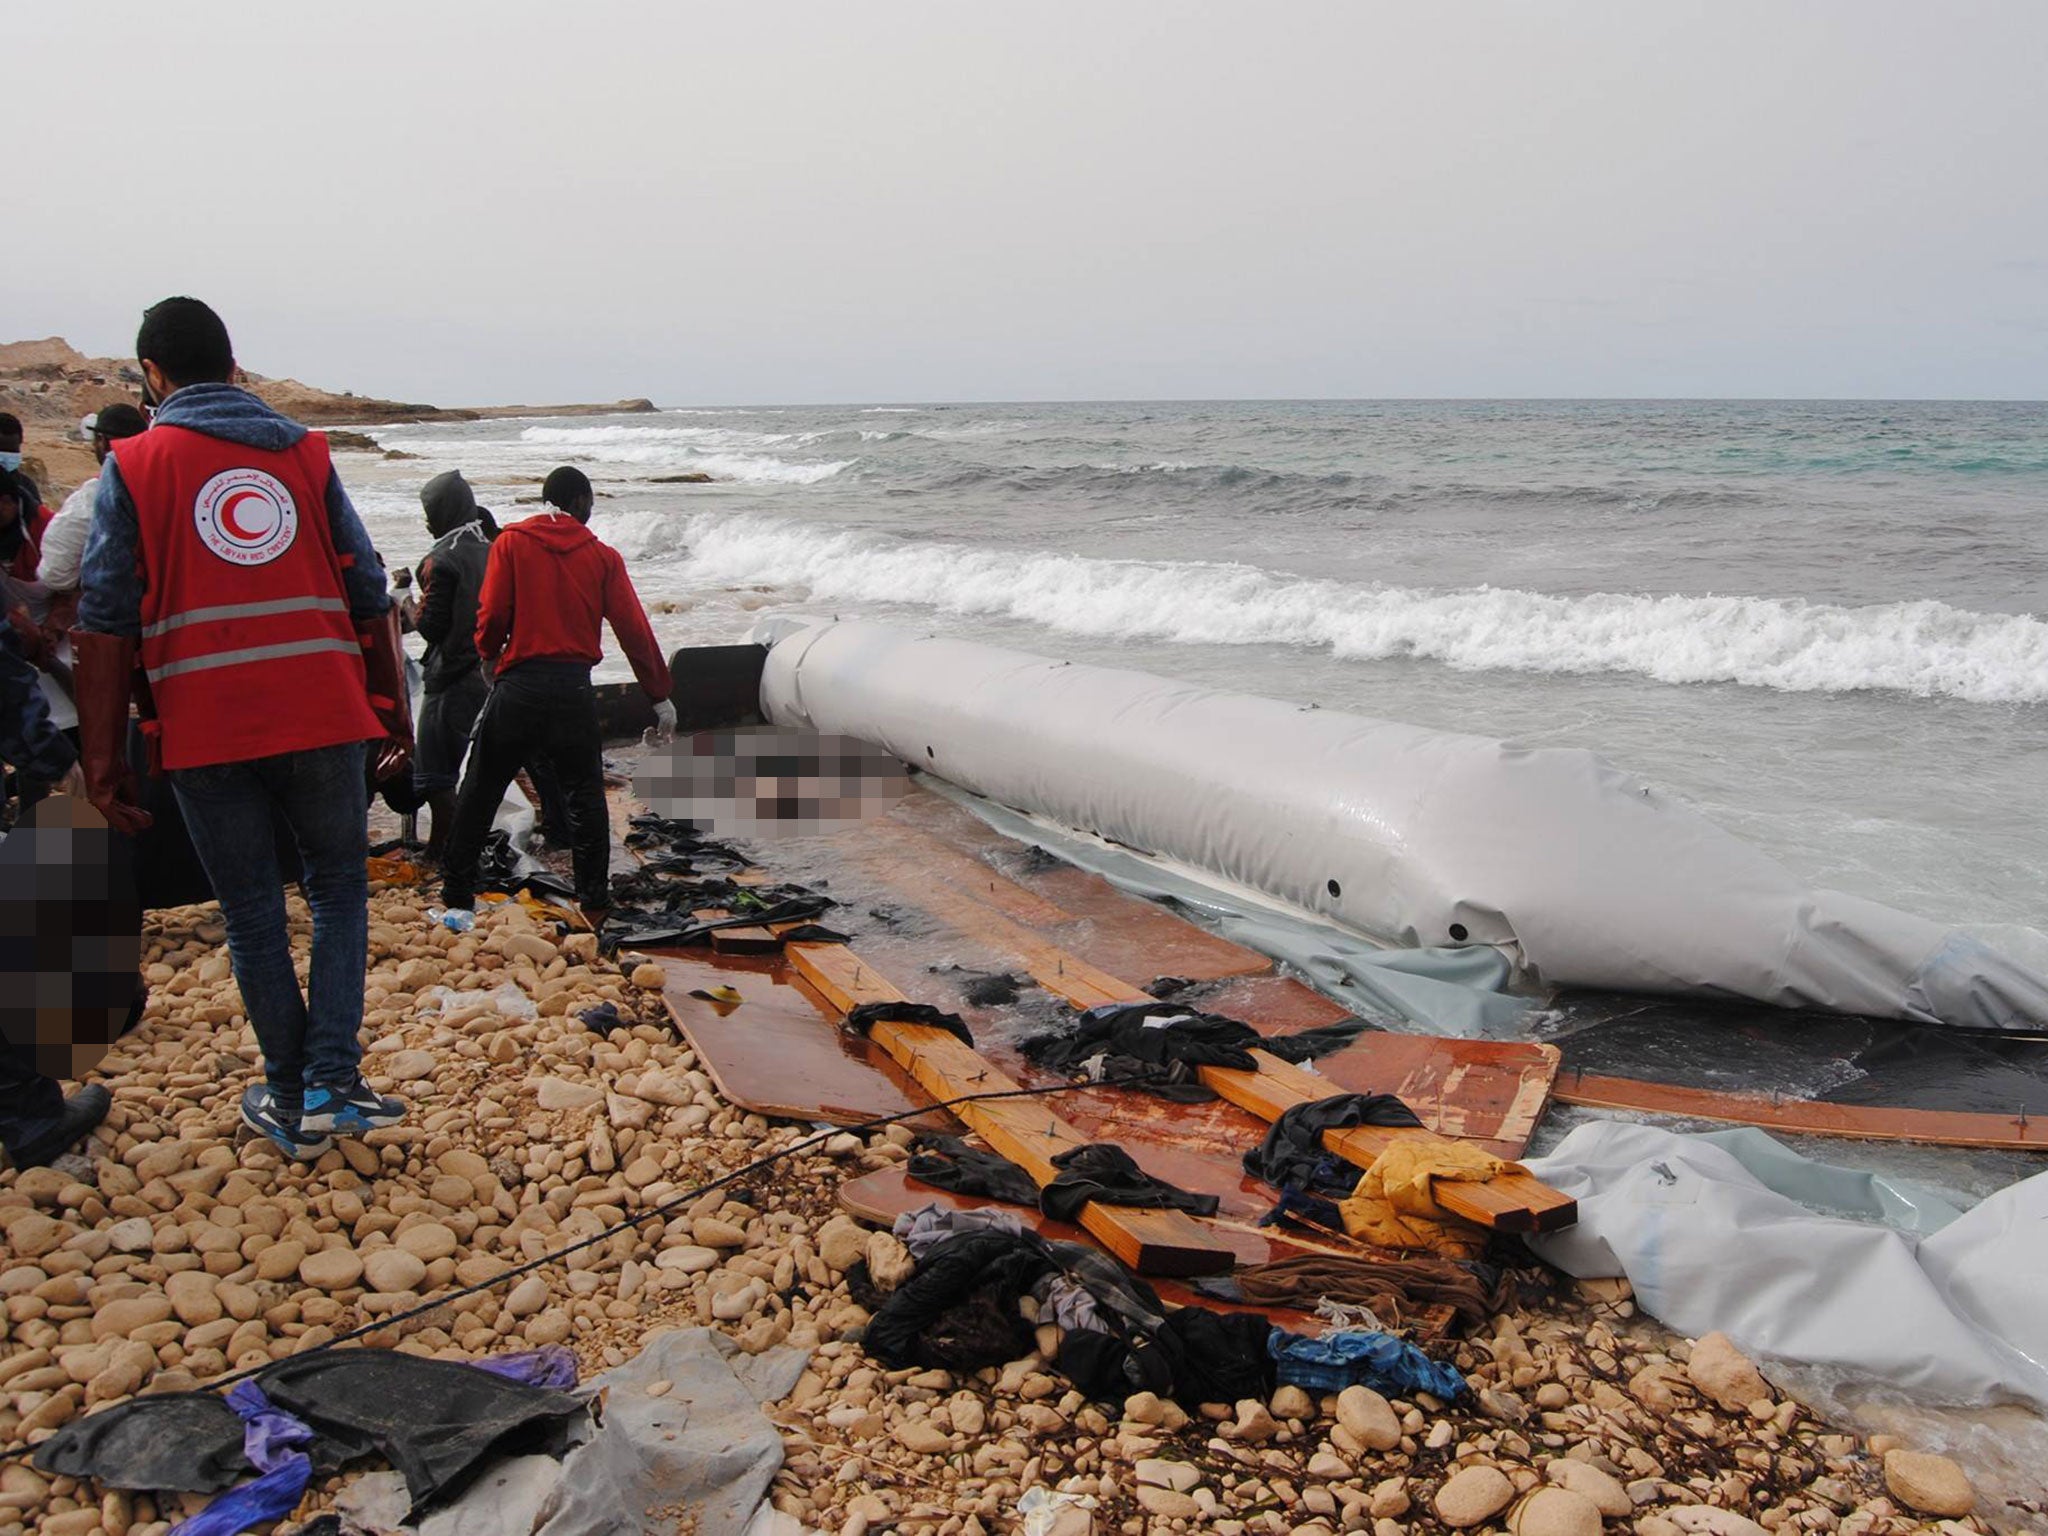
x=548, y=586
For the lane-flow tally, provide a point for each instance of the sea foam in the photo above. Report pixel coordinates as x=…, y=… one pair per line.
x=722, y=452
x=1925, y=648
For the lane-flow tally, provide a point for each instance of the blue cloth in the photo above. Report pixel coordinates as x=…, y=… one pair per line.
x=273, y=1440
x=1359, y=1357
x=110, y=584
x=552, y=1365
x=228, y=810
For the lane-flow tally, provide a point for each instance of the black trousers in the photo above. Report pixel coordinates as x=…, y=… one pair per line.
x=29, y=1102
x=544, y=713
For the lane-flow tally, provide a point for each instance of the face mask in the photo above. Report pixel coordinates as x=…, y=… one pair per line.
x=10, y=461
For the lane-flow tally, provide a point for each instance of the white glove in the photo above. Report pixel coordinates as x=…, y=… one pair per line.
x=664, y=723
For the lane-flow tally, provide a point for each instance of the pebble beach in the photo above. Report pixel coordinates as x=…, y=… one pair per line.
x=167, y=1254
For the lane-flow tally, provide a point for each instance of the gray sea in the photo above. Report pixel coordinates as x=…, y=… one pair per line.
x=1824, y=624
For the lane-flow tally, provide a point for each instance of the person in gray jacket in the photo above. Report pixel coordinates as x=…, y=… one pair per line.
x=450, y=575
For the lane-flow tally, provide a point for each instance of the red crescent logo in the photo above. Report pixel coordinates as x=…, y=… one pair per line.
x=242, y=536
x=233, y=525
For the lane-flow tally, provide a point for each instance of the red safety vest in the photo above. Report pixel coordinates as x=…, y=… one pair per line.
x=246, y=635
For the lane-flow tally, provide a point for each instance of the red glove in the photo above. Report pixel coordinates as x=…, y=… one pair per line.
x=390, y=697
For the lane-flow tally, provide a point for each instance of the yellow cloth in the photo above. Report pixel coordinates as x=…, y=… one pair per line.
x=1393, y=1207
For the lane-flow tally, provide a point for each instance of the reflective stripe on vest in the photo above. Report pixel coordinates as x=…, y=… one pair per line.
x=243, y=611
x=252, y=653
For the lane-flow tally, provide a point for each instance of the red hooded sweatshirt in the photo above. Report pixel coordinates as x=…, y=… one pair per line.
x=548, y=586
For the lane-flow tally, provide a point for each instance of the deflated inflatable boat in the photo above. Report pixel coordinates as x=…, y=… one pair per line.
x=1579, y=873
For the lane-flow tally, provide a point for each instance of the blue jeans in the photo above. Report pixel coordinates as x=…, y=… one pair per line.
x=322, y=796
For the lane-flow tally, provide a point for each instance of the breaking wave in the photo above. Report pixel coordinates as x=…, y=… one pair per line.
x=1925, y=648
x=721, y=452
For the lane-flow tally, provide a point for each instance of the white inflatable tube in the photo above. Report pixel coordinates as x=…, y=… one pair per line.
x=1578, y=872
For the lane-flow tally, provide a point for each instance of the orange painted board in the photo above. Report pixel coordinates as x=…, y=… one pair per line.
x=1809, y=1117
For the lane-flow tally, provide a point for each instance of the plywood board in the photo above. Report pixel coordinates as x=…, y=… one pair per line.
x=1080, y=912
x=777, y=1053
x=1809, y=1117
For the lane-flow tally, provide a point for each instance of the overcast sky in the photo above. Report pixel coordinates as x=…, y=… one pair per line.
x=471, y=203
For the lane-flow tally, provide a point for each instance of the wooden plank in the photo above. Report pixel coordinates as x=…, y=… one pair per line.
x=1807, y=1117
x=1024, y=1130
x=777, y=1052
x=1513, y=1202
x=751, y=940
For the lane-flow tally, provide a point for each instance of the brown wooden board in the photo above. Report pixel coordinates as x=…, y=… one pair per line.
x=1080, y=912
x=1809, y=1117
x=776, y=1052
x=1027, y=1131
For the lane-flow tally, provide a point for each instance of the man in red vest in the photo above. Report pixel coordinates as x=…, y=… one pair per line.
x=225, y=557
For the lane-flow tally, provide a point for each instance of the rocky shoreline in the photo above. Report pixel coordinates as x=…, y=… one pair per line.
x=170, y=1254
x=51, y=385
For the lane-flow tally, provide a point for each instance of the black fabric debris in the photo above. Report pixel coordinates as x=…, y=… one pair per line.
x=1301, y=1207
x=1163, y=987
x=604, y=1018
x=1292, y=1155
x=187, y=1442
x=1217, y=1357
x=1105, y=1172
x=438, y=1422
x=1106, y=1368
x=682, y=872
x=814, y=933
x=959, y=1311
x=862, y=1290
x=860, y=1020
x=947, y=1162
x=1194, y=1356
x=501, y=867
x=1155, y=1034
x=1168, y=1034
x=993, y=991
